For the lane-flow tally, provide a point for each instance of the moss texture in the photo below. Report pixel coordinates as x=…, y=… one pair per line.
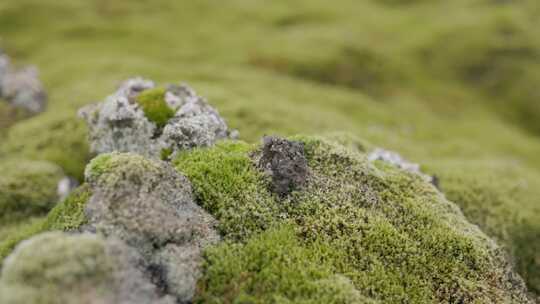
x=27, y=188
x=488, y=195
x=155, y=107
x=394, y=236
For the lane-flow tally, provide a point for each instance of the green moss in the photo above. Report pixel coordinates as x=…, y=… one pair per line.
x=274, y=267
x=55, y=137
x=27, y=188
x=351, y=67
x=155, y=107
x=227, y=186
x=503, y=200
x=66, y=216
x=166, y=153
x=113, y=168
x=390, y=233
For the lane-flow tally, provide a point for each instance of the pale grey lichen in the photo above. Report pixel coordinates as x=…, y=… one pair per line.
x=150, y=206
x=120, y=123
x=21, y=87
x=61, y=268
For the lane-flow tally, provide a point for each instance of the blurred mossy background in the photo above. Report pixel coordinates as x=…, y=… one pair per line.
x=452, y=85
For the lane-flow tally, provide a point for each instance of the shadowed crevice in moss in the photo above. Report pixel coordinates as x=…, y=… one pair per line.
x=499, y=59
x=155, y=107
x=393, y=235
x=68, y=215
x=356, y=68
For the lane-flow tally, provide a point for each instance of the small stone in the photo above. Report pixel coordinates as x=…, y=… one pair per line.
x=285, y=162
x=397, y=161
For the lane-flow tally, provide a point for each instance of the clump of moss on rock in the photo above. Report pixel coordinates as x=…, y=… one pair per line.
x=27, y=188
x=155, y=107
x=390, y=233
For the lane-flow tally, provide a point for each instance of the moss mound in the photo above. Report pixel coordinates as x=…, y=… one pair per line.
x=27, y=188
x=55, y=137
x=155, y=107
x=394, y=236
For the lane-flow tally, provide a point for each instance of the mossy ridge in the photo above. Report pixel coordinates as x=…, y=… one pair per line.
x=381, y=223
x=155, y=107
x=502, y=199
x=68, y=215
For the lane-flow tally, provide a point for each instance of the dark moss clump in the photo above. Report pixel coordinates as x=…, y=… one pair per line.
x=56, y=137
x=155, y=107
x=356, y=68
x=392, y=236
x=500, y=59
x=68, y=215
x=27, y=188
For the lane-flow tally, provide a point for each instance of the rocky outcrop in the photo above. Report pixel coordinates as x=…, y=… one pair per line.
x=155, y=122
x=150, y=206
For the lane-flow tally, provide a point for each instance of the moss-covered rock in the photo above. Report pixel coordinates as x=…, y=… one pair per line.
x=57, y=268
x=27, y=188
x=59, y=138
x=391, y=233
x=152, y=121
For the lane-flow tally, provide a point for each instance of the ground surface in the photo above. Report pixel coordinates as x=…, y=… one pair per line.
x=451, y=85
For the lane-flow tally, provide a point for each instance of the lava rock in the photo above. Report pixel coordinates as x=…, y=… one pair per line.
x=285, y=162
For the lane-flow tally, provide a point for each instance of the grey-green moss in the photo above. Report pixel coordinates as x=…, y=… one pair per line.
x=57, y=268
x=56, y=137
x=27, y=188
x=394, y=236
x=155, y=107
